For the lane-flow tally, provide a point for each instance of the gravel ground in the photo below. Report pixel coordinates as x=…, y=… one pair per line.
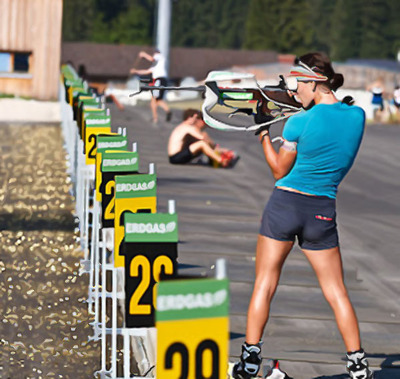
x=44, y=323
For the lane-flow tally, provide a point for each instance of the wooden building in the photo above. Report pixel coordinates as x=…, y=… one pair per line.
x=30, y=47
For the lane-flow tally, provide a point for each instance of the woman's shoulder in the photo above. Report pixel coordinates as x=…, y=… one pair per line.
x=354, y=110
x=297, y=117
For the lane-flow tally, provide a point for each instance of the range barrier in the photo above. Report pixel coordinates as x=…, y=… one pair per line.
x=130, y=255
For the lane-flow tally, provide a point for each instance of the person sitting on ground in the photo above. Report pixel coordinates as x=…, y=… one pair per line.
x=189, y=140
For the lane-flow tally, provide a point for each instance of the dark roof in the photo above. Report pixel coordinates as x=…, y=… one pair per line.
x=106, y=61
x=384, y=64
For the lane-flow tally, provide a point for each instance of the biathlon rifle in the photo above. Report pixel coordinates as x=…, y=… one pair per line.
x=266, y=105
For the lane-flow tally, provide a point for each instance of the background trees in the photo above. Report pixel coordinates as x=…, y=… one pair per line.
x=342, y=28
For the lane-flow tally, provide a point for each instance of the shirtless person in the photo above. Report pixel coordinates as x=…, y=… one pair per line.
x=188, y=140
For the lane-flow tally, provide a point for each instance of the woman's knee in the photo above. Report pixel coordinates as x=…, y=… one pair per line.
x=336, y=295
x=265, y=287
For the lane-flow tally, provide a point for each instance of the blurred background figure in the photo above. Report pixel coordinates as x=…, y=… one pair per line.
x=396, y=101
x=159, y=75
x=377, y=89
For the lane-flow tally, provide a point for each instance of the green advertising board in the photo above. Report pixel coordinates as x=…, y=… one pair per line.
x=131, y=186
x=151, y=227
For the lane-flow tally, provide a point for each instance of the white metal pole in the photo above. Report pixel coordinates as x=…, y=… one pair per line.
x=114, y=325
x=152, y=168
x=164, y=28
x=171, y=206
x=127, y=355
x=96, y=232
x=220, y=269
x=103, y=302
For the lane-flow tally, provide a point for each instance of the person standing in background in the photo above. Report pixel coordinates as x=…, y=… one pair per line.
x=159, y=75
x=377, y=89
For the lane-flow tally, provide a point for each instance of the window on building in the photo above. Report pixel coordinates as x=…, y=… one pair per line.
x=14, y=62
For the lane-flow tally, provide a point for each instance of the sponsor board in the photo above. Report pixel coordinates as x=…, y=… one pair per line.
x=90, y=142
x=192, y=328
x=103, y=143
x=156, y=227
x=144, y=185
x=87, y=111
x=136, y=194
x=107, y=192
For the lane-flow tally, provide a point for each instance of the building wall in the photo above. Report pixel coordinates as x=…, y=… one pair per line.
x=32, y=26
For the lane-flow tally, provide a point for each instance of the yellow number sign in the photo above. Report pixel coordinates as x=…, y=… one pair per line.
x=90, y=143
x=192, y=329
x=133, y=193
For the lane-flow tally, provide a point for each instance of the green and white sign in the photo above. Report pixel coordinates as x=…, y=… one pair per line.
x=111, y=142
x=130, y=186
x=192, y=299
x=117, y=161
x=192, y=323
x=93, y=118
x=151, y=227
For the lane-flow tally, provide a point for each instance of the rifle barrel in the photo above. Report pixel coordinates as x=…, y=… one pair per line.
x=168, y=88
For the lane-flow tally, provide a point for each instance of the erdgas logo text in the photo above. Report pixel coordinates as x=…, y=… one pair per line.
x=127, y=187
x=150, y=228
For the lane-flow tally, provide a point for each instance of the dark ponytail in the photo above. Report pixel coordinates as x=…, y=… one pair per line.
x=336, y=81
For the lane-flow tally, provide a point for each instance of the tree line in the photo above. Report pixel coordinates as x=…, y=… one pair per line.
x=341, y=28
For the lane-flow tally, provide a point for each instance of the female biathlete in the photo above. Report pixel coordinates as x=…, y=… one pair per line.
x=319, y=148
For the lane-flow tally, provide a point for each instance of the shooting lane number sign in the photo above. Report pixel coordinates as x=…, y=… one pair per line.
x=136, y=194
x=111, y=141
x=94, y=125
x=150, y=251
x=114, y=163
x=192, y=328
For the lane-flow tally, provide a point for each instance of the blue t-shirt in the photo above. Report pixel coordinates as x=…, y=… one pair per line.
x=328, y=137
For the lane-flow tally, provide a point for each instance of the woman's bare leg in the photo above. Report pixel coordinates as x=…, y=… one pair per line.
x=270, y=256
x=327, y=265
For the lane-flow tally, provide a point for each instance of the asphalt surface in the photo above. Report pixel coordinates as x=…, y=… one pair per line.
x=45, y=326
x=219, y=212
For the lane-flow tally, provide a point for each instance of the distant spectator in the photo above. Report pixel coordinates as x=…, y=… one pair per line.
x=396, y=101
x=189, y=140
x=159, y=75
x=377, y=89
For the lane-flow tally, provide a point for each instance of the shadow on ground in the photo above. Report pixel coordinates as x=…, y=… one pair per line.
x=390, y=368
x=30, y=221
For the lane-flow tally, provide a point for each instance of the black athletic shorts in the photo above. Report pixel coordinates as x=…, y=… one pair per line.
x=158, y=94
x=312, y=219
x=182, y=157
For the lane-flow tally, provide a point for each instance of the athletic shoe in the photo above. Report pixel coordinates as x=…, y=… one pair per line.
x=357, y=365
x=229, y=159
x=250, y=362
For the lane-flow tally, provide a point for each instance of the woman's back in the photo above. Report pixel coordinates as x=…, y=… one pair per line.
x=328, y=138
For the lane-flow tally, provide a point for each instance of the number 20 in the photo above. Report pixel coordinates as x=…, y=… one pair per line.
x=141, y=261
x=180, y=348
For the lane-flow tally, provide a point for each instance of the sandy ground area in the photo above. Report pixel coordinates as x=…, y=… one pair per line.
x=44, y=323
